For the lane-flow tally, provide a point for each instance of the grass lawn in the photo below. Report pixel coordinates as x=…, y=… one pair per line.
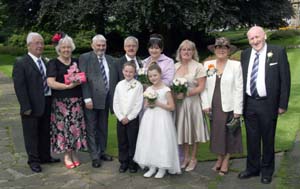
x=287, y=125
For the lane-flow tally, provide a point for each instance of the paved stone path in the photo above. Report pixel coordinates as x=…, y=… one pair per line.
x=15, y=173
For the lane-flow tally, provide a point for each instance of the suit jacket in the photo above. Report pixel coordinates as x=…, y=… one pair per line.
x=120, y=62
x=231, y=87
x=94, y=88
x=28, y=84
x=277, y=77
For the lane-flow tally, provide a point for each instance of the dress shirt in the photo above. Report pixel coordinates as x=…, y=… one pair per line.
x=128, y=99
x=35, y=59
x=167, y=68
x=260, y=82
x=134, y=59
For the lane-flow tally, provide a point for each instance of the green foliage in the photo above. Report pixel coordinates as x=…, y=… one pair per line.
x=83, y=40
x=284, y=34
x=17, y=40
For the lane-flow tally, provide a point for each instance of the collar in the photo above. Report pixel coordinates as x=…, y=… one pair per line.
x=35, y=59
x=128, y=58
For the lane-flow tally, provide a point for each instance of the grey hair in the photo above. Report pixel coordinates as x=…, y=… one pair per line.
x=192, y=45
x=66, y=39
x=98, y=37
x=31, y=35
x=131, y=38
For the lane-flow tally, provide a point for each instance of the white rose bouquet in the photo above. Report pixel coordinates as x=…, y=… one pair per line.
x=179, y=88
x=142, y=76
x=150, y=96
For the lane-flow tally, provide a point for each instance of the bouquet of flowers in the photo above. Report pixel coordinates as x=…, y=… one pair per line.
x=74, y=76
x=151, y=97
x=142, y=76
x=179, y=88
x=211, y=70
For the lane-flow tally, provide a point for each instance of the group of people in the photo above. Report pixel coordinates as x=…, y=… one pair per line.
x=163, y=134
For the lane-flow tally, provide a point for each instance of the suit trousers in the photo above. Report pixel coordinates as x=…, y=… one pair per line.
x=36, y=131
x=260, y=129
x=127, y=136
x=97, y=131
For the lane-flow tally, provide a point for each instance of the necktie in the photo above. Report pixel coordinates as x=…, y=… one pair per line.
x=254, y=73
x=102, y=69
x=45, y=85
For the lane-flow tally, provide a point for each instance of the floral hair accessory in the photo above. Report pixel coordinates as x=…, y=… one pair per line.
x=56, y=37
x=211, y=70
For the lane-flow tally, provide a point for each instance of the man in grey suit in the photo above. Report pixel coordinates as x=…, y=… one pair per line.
x=131, y=46
x=102, y=76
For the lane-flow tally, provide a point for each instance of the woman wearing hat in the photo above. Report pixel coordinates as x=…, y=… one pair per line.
x=222, y=100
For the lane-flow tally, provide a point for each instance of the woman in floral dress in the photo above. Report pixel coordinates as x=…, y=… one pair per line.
x=68, y=133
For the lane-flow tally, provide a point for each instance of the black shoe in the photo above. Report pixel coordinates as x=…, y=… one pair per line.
x=106, y=157
x=266, y=179
x=51, y=160
x=35, y=167
x=96, y=163
x=123, y=168
x=247, y=174
x=133, y=167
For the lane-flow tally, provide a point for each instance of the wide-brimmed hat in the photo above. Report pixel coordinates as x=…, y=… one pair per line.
x=222, y=41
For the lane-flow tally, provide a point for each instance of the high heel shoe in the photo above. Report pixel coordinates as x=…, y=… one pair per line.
x=69, y=166
x=192, y=165
x=76, y=163
x=184, y=163
x=223, y=173
x=216, y=169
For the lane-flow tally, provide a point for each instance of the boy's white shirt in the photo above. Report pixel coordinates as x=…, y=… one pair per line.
x=128, y=99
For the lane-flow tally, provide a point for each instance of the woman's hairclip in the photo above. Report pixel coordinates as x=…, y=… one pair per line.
x=156, y=38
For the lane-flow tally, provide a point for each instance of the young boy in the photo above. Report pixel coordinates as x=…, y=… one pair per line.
x=128, y=101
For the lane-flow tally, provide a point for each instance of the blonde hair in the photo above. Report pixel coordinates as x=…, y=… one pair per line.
x=190, y=44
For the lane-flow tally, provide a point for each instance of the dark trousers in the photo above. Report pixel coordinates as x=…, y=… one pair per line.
x=127, y=136
x=260, y=128
x=97, y=131
x=36, y=131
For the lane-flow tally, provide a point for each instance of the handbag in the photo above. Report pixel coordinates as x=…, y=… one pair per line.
x=75, y=77
x=233, y=125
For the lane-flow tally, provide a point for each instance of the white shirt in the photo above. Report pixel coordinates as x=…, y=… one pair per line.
x=260, y=82
x=128, y=99
x=35, y=59
x=135, y=61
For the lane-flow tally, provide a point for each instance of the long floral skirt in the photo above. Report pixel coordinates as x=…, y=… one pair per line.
x=68, y=130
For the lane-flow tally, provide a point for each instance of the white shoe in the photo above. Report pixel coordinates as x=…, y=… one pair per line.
x=149, y=173
x=160, y=173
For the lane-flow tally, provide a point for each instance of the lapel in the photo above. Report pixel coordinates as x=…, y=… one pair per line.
x=139, y=62
x=245, y=63
x=267, y=66
x=32, y=64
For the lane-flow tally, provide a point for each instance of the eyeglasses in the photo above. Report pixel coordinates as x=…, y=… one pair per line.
x=186, y=49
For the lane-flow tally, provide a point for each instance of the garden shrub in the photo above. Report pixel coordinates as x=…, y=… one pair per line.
x=284, y=34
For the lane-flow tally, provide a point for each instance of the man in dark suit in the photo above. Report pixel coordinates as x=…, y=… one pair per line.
x=98, y=91
x=131, y=46
x=267, y=88
x=33, y=93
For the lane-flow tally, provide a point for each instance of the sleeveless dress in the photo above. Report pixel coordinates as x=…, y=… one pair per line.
x=156, y=144
x=190, y=121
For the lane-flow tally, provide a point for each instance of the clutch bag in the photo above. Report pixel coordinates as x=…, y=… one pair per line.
x=74, y=77
x=233, y=125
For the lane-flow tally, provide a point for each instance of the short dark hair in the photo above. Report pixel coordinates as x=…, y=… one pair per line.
x=156, y=39
x=130, y=63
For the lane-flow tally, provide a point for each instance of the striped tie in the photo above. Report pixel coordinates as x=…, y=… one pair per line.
x=102, y=69
x=254, y=73
x=45, y=85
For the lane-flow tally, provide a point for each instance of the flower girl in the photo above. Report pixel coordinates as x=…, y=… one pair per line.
x=156, y=146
